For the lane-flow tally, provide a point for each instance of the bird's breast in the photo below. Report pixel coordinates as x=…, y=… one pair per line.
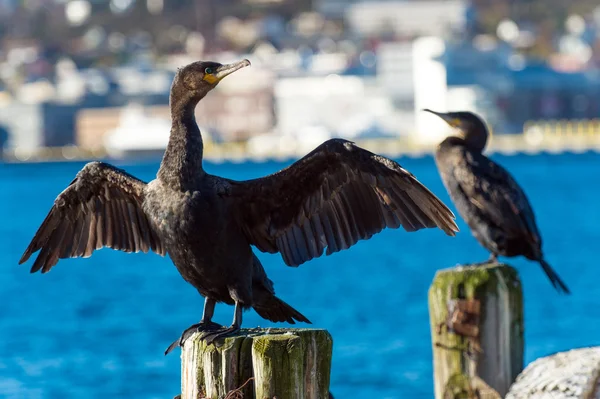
x=182, y=216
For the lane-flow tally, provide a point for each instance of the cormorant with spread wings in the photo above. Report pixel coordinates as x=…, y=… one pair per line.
x=327, y=201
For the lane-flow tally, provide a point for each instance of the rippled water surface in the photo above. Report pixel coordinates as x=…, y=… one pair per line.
x=97, y=327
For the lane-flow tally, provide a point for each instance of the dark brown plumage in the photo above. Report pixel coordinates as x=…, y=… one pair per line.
x=333, y=197
x=102, y=207
x=487, y=196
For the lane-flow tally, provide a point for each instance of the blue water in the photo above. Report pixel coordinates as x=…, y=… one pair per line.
x=97, y=327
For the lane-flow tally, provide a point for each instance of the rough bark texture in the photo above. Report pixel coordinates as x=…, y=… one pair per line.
x=482, y=353
x=573, y=374
x=286, y=363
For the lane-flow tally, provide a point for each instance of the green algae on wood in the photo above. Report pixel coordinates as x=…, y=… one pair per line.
x=500, y=326
x=286, y=363
x=278, y=364
x=222, y=368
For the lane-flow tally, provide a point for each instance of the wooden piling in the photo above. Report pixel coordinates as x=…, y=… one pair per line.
x=476, y=315
x=282, y=363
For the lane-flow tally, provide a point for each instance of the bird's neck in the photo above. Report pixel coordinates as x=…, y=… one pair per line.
x=476, y=141
x=181, y=166
x=475, y=144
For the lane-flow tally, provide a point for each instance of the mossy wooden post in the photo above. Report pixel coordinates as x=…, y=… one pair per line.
x=476, y=315
x=284, y=363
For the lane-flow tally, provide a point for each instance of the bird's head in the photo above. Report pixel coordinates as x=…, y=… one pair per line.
x=198, y=78
x=468, y=126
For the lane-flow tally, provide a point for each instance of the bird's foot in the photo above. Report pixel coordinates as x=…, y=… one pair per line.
x=485, y=262
x=210, y=336
x=493, y=258
x=198, y=327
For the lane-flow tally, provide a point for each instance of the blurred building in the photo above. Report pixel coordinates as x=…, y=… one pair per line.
x=236, y=110
x=406, y=19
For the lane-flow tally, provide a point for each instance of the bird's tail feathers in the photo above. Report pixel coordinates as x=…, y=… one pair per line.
x=274, y=309
x=556, y=281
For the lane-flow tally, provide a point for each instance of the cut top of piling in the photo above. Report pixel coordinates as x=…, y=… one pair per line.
x=271, y=362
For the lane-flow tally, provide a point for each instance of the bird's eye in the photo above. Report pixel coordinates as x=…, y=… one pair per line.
x=208, y=71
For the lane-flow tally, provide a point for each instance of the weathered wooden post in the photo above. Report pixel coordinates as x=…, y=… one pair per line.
x=570, y=375
x=476, y=315
x=282, y=363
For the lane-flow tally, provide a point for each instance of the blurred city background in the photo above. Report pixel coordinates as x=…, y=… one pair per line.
x=91, y=78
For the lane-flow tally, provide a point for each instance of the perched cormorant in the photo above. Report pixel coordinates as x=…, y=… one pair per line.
x=487, y=196
x=333, y=197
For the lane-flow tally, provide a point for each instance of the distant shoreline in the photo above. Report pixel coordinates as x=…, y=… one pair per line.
x=392, y=148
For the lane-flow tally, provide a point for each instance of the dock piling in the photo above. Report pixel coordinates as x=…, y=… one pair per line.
x=476, y=316
x=276, y=362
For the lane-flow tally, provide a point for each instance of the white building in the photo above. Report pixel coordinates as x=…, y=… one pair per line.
x=422, y=18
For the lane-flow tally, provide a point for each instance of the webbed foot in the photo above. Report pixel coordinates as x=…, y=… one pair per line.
x=211, y=336
x=198, y=327
x=485, y=262
x=493, y=258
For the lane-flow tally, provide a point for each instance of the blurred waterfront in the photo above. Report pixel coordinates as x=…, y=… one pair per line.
x=91, y=78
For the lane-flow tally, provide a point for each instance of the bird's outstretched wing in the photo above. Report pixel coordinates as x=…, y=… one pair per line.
x=102, y=207
x=335, y=196
x=497, y=196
